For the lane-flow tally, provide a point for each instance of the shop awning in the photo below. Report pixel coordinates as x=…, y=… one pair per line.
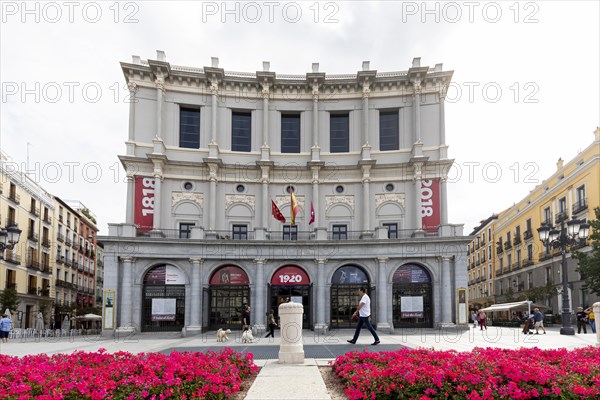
x=516, y=306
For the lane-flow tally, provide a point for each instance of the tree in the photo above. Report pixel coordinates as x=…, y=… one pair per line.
x=589, y=264
x=9, y=299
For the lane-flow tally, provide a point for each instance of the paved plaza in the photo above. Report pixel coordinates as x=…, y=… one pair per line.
x=319, y=350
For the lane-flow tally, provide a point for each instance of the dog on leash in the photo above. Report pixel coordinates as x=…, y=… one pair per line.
x=222, y=335
x=247, y=336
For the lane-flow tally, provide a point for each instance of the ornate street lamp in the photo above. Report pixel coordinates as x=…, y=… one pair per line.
x=573, y=234
x=9, y=237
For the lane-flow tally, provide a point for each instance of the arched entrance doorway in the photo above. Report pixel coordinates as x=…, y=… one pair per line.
x=291, y=282
x=163, y=299
x=412, y=299
x=345, y=283
x=229, y=292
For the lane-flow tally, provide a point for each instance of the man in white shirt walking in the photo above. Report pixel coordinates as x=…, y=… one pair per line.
x=364, y=313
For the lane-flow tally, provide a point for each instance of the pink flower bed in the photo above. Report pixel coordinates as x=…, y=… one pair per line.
x=480, y=374
x=124, y=375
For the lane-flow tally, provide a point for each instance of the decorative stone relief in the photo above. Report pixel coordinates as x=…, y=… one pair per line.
x=285, y=200
x=177, y=197
x=331, y=200
x=231, y=199
x=398, y=198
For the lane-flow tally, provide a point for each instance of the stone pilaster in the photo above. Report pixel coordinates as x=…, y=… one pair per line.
x=321, y=326
x=126, y=299
x=195, y=325
x=383, y=323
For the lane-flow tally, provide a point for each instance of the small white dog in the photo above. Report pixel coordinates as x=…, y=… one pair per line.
x=247, y=336
x=222, y=335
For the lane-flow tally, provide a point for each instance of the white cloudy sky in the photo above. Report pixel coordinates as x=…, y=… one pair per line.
x=542, y=55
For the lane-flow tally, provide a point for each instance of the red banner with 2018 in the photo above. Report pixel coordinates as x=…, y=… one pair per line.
x=430, y=204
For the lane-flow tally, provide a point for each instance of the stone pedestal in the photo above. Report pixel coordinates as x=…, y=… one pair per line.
x=291, y=350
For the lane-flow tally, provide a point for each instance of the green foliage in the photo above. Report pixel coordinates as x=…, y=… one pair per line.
x=589, y=264
x=88, y=214
x=540, y=294
x=10, y=300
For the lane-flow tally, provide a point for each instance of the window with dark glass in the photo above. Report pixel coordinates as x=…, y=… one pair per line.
x=241, y=131
x=339, y=232
x=290, y=232
x=339, y=133
x=392, y=230
x=581, y=195
x=189, y=128
x=240, y=232
x=547, y=215
x=185, y=230
x=290, y=133
x=388, y=130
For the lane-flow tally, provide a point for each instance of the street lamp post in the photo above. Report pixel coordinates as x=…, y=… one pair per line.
x=549, y=236
x=9, y=237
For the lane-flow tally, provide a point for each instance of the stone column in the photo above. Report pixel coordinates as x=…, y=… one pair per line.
x=195, y=325
x=260, y=291
x=366, y=209
x=417, y=110
x=444, y=202
x=321, y=326
x=126, y=296
x=160, y=89
x=130, y=197
x=365, y=114
x=418, y=212
x=383, y=323
x=157, y=196
x=265, y=133
x=212, y=202
x=443, y=92
x=214, y=89
x=132, y=86
x=447, y=301
x=315, y=149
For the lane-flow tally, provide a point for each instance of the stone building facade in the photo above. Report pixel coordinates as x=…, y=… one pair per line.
x=212, y=155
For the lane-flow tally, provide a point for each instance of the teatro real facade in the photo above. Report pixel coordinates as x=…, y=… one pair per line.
x=208, y=153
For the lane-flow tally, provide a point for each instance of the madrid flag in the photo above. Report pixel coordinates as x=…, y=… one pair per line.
x=276, y=213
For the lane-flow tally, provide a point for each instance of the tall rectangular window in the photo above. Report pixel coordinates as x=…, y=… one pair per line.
x=581, y=195
x=290, y=133
x=392, y=230
x=339, y=133
x=240, y=232
x=388, y=130
x=547, y=216
x=189, y=128
x=241, y=131
x=290, y=232
x=340, y=232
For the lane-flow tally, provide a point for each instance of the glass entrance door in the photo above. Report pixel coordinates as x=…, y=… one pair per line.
x=298, y=294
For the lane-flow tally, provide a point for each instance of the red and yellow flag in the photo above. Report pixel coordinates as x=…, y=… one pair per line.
x=295, y=209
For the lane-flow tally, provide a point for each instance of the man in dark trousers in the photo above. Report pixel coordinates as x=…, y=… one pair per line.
x=364, y=313
x=581, y=320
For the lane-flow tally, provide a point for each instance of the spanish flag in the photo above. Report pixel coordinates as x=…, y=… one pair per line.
x=295, y=209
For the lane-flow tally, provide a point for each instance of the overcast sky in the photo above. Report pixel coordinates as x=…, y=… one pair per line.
x=526, y=85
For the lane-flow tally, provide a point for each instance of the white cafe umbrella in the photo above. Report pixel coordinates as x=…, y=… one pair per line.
x=39, y=322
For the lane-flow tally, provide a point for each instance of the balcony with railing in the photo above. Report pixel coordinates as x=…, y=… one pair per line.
x=32, y=290
x=60, y=237
x=580, y=206
x=33, y=236
x=547, y=221
x=11, y=257
x=11, y=285
x=46, y=242
x=517, y=240
x=499, y=248
x=14, y=197
x=527, y=235
x=34, y=264
x=507, y=245
x=528, y=262
x=75, y=245
x=561, y=216
x=60, y=259
x=516, y=265
x=60, y=218
x=35, y=211
x=68, y=241
x=47, y=219
x=68, y=262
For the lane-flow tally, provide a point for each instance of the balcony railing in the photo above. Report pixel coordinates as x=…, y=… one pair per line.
x=279, y=235
x=561, y=216
x=68, y=262
x=528, y=235
x=34, y=264
x=60, y=218
x=499, y=249
x=15, y=198
x=32, y=290
x=12, y=258
x=546, y=256
x=47, y=219
x=46, y=243
x=75, y=245
x=12, y=285
x=68, y=241
x=517, y=240
x=60, y=259
x=580, y=206
x=35, y=211
x=60, y=237
x=32, y=236
x=516, y=265
x=507, y=245
x=527, y=263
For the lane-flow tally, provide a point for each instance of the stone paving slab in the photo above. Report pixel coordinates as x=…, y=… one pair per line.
x=274, y=381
